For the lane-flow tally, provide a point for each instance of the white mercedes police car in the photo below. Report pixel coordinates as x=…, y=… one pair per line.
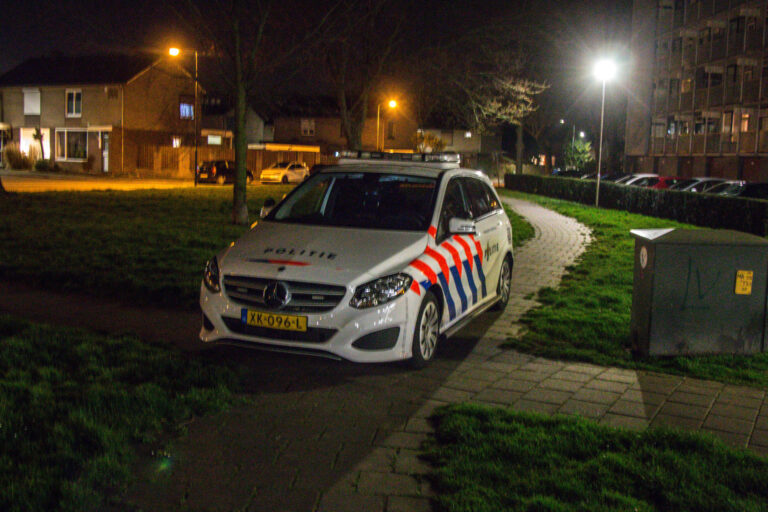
x=374, y=259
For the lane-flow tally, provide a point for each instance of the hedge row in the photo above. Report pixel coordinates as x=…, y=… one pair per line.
x=748, y=215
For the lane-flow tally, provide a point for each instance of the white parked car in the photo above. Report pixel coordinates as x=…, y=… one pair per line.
x=369, y=261
x=636, y=179
x=285, y=172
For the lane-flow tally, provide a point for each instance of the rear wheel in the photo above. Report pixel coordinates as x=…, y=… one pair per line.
x=249, y=178
x=284, y=181
x=221, y=179
x=505, y=285
x=426, y=333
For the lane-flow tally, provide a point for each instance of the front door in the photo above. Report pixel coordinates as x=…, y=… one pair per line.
x=105, y=151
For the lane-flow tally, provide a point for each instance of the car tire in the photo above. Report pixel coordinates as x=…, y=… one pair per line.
x=221, y=179
x=284, y=181
x=249, y=179
x=504, y=287
x=426, y=332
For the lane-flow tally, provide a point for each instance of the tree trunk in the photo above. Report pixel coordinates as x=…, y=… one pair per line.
x=353, y=121
x=519, y=149
x=239, y=205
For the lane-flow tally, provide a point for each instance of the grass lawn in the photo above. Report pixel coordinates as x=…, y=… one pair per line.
x=587, y=317
x=492, y=460
x=145, y=246
x=521, y=228
x=74, y=406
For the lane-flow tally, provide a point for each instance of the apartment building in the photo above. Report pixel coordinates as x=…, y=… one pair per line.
x=698, y=94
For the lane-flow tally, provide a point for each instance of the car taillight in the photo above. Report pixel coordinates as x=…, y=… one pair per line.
x=213, y=171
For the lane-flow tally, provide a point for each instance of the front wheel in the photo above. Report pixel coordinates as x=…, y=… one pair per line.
x=426, y=333
x=505, y=285
x=284, y=180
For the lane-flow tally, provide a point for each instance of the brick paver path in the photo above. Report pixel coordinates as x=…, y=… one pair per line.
x=391, y=478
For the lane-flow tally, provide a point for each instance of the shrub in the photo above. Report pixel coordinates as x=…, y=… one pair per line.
x=46, y=165
x=14, y=158
x=748, y=215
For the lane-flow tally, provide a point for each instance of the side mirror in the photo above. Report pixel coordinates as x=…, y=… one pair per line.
x=269, y=203
x=461, y=226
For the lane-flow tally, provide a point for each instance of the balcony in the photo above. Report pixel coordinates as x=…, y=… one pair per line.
x=720, y=5
x=713, y=143
x=676, y=59
x=686, y=101
x=736, y=44
x=718, y=49
x=716, y=96
x=749, y=93
x=700, y=100
x=754, y=39
x=660, y=105
x=747, y=142
x=658, y=144
x=683, y=144
x=762, y=145
x=702, y=54
x=674, y=102
x=698, y=144
x=670, y=145
x=732, y=94
x=728, y=146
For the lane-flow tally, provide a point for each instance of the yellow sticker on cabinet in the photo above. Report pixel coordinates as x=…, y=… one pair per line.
x=744, y=282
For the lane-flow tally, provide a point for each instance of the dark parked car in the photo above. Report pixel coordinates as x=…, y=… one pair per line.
x=318, y=167
x=746, y=190
x=701, y=184
x=220, y=171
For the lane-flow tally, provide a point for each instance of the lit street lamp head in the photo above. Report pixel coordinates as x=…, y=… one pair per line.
x=605, y=70
x=174, y=52
x=392, y=103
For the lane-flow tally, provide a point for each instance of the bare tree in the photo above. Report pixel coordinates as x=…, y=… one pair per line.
x=248, y=40
x=361, y=44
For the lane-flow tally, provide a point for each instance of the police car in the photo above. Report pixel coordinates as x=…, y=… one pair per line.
x=375, y=259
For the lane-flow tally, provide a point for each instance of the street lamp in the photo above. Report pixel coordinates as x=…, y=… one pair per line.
x=604, y=71
x=175, y=52
x=390, y=104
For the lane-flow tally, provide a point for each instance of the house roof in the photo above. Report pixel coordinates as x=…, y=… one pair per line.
x=88, y=69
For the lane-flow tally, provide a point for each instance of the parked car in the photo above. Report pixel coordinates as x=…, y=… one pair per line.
x=746, y=190
x=569, y=173
x=220, y=171
x=285, y=172
x=659, y=182
x=637, y=179
x=370, y=261
x=614, y=176
x=318, y=167
x=725, y=185
x=702, y=184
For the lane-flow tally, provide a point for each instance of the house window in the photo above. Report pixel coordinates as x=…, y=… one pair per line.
x=214, y=140
x=71, y=145
x=74, y=102
x=29, y=144
x=445, y=135
x=686, y=85
x=186, y=108
x=744, y=122
x=31, y=102
x=176, y=141
x=391, y=130
x=308, y=127
x=112, y=93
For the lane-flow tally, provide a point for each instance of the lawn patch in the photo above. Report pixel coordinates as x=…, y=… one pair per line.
x=587, y=317
x=492, y=460
x=73, y=406
x=143, y=246
x=521, y=228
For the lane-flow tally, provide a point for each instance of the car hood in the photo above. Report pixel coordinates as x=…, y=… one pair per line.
x=323, y=254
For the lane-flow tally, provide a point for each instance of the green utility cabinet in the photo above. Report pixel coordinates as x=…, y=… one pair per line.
x=699, y=291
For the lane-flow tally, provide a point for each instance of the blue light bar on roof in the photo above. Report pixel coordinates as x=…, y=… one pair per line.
x=402, y=157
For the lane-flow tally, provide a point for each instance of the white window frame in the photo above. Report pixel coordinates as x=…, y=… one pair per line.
x=31, y=108
x=74, y=93
x=176, y=141
x=307, y=127
x=66, y=157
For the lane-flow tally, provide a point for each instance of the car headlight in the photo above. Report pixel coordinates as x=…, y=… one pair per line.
x=211, y=275
x=380, y=291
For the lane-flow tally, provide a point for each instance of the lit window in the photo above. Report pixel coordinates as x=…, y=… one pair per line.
x=186, y=110
x=467, y=135
x=308, y=127
x=214, y=140
x=74, y=102
x=28, y=142
x=176, y=142
x=744, y=122
x=31, y=102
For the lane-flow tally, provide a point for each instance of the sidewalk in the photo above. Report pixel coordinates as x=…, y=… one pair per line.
x=391, y=478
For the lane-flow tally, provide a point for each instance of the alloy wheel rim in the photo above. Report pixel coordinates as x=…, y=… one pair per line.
x=428, y=331
x=506, y=282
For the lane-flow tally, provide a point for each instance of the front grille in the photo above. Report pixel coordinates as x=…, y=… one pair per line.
x=312, y=335
x=305, y=297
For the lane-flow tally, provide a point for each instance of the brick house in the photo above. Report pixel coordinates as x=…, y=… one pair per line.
x=99, y=113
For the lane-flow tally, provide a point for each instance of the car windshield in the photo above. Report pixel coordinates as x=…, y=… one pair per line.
x=725, y=188
x=281, y=165
x=680, y=185
x=361, y=200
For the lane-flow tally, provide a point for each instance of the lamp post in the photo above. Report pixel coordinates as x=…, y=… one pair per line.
x=391, y=104
x=604, y=70
x=174, y=52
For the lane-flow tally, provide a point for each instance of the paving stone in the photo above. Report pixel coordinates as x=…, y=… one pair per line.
x=463, y=384
x=729, y=438
x=497, y=396
x=666, y=420
x=408, y=504
x=686, y=411
x=451, y=395
x=761, y=423
x=371, y=482
x=727, y=424
x=596, y=396
x=739, y=401
x=484, y=374
x=585, y=409
x=573, y=376
x=409, y=463
x=378, y=459
x=350, y=502
x=540, y=367
x=560, y=385
x=502, y=367
x=734, y=411
x=692, y=398
x=419, y=426
x=758, y=450
x=514, y=385
x=620, y=421
x=636, y=409
x=550, y=396
x=704, y=387
x=645, y=397
x=399, y=439
x=607, y=385
x=759, y=437
x=584, y=368
x=743, y=391
x=527, y=375
x=531, y=406
x=657, y=383
x=615, y=375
